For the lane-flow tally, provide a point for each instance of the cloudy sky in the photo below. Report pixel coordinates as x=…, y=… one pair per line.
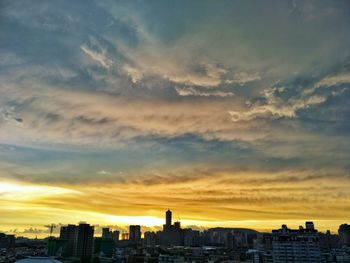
x=232, y=113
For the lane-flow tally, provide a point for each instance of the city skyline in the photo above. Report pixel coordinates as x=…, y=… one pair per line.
x=175, y=243
x=231, y=113
x=165, y=223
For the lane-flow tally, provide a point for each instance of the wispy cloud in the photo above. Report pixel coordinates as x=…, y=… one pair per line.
x=275, y=106
x=195, y=92
x=103, y=172
x=99, y=57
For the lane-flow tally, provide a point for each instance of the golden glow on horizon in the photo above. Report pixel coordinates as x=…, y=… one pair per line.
x=221, y=199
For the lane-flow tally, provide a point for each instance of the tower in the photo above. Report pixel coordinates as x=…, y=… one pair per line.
x=168, y=216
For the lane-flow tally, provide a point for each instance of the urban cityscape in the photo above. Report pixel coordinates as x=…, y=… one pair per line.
x=174, y=244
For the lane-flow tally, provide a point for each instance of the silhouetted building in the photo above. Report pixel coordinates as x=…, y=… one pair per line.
x=150, y=239
x=135, y=234
x=344, y=234
x=177, y=225
x=106, y=233
x=80, y=241
x=171, y=234
x=70, y=234
x=191, y=238
x=168, y=216
x=296, y=246
x=85, y=242
x=7, y=241
x=115, y=236
x=328, y=241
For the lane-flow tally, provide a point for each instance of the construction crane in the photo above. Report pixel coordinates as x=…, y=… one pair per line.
x=51, y=227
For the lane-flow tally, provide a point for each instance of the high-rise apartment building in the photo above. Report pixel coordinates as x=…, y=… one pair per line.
x=80, y=241
x=296, y=245
x=135, y=233
x=85, y=242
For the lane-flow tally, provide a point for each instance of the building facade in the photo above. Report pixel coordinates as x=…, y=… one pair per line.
x=296, y=245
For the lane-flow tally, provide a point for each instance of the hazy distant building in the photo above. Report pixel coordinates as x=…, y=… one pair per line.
x=135, y=233
x=230, y=237
x=125, y=236
x=296, y=246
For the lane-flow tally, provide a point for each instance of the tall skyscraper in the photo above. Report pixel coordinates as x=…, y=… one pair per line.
x=85, y=242
x=70, y=234
x=168, y=218
x=171, y=234
x=135, y=233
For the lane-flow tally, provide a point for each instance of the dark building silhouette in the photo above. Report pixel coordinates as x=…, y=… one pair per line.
x=191, y=238
x=106, y=233
x=80, y=241
x=328, y=241
x=150, y=239
x=172, y=235
x=168, y=218
x=7, y=241
x=85, y=242
x=70, y=234
x=134, y=233
x=344, y=234
x=115, y=236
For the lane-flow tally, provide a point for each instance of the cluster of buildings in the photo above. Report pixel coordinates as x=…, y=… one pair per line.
x=174, y=244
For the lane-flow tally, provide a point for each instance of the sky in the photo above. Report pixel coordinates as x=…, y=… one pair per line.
x=230, y=113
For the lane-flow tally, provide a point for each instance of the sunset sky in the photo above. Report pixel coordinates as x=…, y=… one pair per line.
x=230, y=113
